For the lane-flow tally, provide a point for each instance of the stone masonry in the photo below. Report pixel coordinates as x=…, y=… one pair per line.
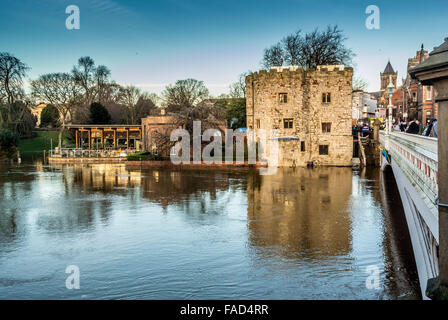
x=311, y=110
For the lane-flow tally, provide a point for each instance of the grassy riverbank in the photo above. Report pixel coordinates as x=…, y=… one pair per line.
x=42, y=141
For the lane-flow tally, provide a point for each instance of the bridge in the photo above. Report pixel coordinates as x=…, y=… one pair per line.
x=414, y=162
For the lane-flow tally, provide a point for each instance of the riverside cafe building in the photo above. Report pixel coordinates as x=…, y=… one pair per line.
x=122, y=138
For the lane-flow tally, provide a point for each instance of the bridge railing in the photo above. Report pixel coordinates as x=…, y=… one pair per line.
x=417, y=157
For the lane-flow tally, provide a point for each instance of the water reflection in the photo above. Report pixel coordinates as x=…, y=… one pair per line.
x=299, y=234
x=304, y=212
x=400, y=269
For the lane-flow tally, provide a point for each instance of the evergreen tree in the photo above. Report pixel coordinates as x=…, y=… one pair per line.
x=49, y=117
x=99, y=114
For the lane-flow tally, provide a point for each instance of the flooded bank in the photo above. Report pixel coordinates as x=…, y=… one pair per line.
x=161, y=234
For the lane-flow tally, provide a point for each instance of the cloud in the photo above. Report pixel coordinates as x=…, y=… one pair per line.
x=110, y=7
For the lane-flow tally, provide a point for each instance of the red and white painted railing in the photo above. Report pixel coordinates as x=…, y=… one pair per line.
x=417, y=157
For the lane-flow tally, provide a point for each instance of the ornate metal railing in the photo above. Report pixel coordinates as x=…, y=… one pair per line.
x=85, y=153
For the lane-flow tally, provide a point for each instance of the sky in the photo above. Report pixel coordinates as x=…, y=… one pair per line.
x=154, y=43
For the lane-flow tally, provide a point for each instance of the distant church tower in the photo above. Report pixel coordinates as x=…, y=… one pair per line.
x=388, y=72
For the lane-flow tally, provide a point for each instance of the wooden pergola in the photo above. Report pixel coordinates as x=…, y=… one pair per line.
x=97, y=135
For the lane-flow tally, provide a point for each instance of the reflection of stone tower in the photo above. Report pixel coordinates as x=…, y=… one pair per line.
x=303, y=211
x=388, y=72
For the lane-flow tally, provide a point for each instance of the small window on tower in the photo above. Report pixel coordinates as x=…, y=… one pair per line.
x=287, y=123
x=258, y=124
x=326, y=97
x=323, y=150
x=283, y=97
x=302, y=146
x=326, y=127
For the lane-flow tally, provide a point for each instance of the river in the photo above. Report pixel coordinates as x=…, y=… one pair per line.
x=227, y=234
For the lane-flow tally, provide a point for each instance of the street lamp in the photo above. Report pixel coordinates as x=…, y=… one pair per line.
x=390, y=92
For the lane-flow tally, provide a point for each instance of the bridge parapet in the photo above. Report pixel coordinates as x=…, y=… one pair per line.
x=417, y=157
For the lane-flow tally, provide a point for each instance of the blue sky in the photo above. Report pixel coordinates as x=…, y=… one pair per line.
x=154, y=43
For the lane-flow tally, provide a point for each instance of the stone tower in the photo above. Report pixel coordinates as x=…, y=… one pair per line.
x=385, y=76
x=311, y=109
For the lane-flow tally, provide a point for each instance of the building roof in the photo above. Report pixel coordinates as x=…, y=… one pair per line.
x=376, y=95
x=442, y=48
x=388, y=69
x=437, y=58
x=210, y=102
x=38, y=106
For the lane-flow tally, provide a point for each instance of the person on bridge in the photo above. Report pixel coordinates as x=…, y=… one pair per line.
x=413, y=127
x=433, y=132
x=403, y=126
x=428, y=128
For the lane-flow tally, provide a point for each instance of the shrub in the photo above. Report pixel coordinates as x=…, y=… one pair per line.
x=8, y=139
x=49, y=117
x=146, y=156
x=236, y=113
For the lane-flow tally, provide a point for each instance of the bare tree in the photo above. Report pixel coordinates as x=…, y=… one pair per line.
x=101, y=75
x=17, y=117
x=324, y=48
x=96, y=85
x=61, y=90
x=14, y=113
x=84, y=75
x=273, y=56
x=359, y=84
x=111, y=100
x=153, y=97
x=111, y=92
x=129, y=97
x=292, y=44
x=309, y=51
x=238, y=89
x=185, y=94
x=12, y=72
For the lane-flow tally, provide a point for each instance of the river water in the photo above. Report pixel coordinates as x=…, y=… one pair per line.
x=161, y=234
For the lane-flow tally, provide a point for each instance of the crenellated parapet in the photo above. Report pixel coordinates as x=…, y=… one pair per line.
x=296, y=71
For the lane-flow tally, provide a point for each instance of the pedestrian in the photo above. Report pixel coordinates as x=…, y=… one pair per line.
x=420, y=127
x=434, y=128
x=428, y=128
x=413, y=127
x=365, y=130
x=403, y=126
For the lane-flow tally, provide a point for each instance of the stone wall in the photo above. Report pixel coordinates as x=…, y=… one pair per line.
x=156, y=132
x=304, y=104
